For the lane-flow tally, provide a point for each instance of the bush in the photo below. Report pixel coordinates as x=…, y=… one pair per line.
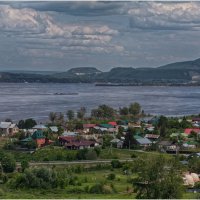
x=116, y=164
x=96, y=189
x=97, y=150
x=111, y=176
x=8, y=163
x=91, y=155
x=134, y=155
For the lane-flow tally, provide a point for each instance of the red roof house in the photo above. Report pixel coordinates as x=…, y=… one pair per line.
x=89, y=125
x=189, y=130
x=113, y=123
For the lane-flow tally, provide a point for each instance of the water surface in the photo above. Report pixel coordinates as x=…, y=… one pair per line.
x=21, y=100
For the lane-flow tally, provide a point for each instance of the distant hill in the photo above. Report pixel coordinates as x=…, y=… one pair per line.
x=83, y=70
x=187, y=72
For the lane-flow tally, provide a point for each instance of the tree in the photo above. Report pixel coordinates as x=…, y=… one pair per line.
x=135, y=109
x=21, y=124
x=24, y=165
x=8, y=163
x=129, y=139
x=81, y=113
x=70, y=115
x=159, y=178
x=162, y=124
x=60, y=118
x=52, y=117
x=29, y=123
x=103, y=112
x=124, y=111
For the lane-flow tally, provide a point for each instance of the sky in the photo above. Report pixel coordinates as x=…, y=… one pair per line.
x=57, y=36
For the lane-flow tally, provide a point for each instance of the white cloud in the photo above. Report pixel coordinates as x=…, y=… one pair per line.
x=167, y=16
x=30, y=24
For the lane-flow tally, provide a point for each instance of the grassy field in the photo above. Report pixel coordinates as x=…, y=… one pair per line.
x=122, y=187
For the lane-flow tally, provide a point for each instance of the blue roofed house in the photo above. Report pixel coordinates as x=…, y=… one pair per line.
x=142, y=142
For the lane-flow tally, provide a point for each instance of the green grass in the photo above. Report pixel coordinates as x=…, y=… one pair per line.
x=87, y=178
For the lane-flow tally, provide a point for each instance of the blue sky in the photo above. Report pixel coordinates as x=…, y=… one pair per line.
x=61, y=35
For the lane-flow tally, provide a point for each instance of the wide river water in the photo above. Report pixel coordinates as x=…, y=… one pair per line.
x=37, y=100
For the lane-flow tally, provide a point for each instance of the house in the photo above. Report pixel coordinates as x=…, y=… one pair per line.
x=107, y=126
x=40, y=127
x=8, y=128
x=54, y=129
x=80, y=144
x=114, y=124
x=134, y=125
x=152, y=137
x=190, y=144
x=166, y=145
x=88, y=127
x=39, y=138
x=73, y=134
x=189, y=130
x=117, y=142
x=143, y=142
x=66, y=139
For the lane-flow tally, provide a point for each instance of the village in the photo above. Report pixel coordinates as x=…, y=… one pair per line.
x=106, y=136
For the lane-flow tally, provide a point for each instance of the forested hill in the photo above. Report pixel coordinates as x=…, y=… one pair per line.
x=176, y=73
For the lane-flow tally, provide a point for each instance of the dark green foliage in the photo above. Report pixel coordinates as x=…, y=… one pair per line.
x=91, y=155
x=158, y=179
x=111, y=176
x=97, y=150
x=129, y=139
x=194, y=164
x=97, y=188
x=103, y=112
x=8, y=163
x=27, y=124
x=81, y=154
x=162, y=124
x=106, y=140
x=124, y=111
x=116, y=164
x=36, y=178
x=52, y=117
x=81, y=113
x=70, y=115
x=24, y=165
x=135, y=109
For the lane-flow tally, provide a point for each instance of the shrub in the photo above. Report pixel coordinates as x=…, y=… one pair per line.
x=116, y=164
x=91, y=155
x=111, y=176
x=134, y=155
x=8, y=163
x=96, y=189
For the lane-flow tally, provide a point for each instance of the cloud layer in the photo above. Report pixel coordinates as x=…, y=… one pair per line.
x=60, y=35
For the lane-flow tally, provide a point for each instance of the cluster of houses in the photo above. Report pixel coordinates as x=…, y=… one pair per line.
x=91, y=135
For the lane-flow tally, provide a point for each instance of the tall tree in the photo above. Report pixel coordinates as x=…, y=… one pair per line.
x=124, y=111
x=162, y=124
x=103, y=111
x=29, y=123
x=81, y=113
x=159, y=178
x=135, y=109
x=60, y=118
x=70, y=114
x=52, y=117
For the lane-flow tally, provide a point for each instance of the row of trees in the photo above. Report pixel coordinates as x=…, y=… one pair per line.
x=102, y=112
